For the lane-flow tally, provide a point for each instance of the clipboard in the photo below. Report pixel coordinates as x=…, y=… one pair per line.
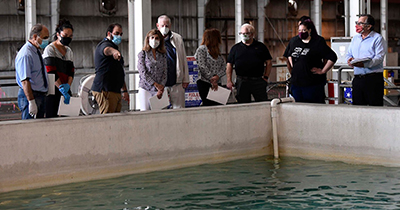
x=158, y=104
x=221, y=95
x=71, y=109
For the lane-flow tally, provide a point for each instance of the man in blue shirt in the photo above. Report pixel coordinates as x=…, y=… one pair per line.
x=31, y=75
x=366, y=53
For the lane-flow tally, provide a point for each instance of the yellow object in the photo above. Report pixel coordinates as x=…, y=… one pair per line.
x=386, y=75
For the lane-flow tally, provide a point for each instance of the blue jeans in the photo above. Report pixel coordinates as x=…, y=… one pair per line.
x=309, y=94
x=23, y=104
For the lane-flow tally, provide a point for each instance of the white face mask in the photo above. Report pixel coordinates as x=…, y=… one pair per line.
x=244, y=37
x=154, y=43
x=164, y=30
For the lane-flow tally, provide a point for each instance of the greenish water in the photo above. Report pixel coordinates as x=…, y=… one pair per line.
x=260, y=183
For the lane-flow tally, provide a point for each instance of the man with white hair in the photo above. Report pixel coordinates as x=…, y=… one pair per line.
x=178, y=71
x=249, y=57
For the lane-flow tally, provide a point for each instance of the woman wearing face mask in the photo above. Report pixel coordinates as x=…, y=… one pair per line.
x=211, y=64
x=58, y=59
x=306, y=55
x=152, y=66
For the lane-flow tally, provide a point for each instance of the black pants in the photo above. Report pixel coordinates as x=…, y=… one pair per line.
x=53, y=102
x=251, y=86
x=368, y=89
x=203, y=88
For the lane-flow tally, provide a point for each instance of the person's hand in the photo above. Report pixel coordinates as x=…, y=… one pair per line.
x=214, y=79
x=159, y=94
x=158, y=86
x=32, y=108
x=117, y=55
x=125, y=96
x=214, y=86
x=67, y=97
x=65, y=86
x=316, y=70
x=185, y=85
x=229, y=85
x=348, y=62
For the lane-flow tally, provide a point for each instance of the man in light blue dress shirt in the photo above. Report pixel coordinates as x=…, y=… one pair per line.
x=366, y=53
x=31, y=75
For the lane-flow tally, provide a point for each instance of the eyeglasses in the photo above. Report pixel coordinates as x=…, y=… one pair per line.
x=247, y=34
x=361, y=23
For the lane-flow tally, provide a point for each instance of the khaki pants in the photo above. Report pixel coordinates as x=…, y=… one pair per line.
x=109, y=102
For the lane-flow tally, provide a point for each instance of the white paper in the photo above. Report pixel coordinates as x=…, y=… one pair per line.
x=71, y=109
x=221, y=95
x=158, y=104
x=356, y=60
x=51, y=80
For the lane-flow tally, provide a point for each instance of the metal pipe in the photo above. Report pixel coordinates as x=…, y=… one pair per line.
x=316, y=16
x=346, y=18
x=384, y=22
x=239, y=18
x=30, y=16
x=55, y=16
x=274, y=115
x=131, y=45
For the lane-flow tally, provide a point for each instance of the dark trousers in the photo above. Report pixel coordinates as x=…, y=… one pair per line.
x=247, y=86
x=368, y=89
x=203, y=88
x=309, y=94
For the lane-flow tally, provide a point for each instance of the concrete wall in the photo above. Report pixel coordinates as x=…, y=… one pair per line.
x=353, y=134
x=46, y=152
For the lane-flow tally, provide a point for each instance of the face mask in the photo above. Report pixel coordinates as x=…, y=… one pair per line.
x=164, y=30
x=303, y=35
x=244, y=37
x=154, y=43
x=359, y=29
x=116, y=39
x=65, y=40
x=44, y=44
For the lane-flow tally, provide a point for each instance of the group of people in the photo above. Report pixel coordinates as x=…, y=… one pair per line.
x=163, y=67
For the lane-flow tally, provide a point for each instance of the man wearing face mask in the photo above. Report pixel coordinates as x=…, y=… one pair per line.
x=109, y=81
x=178, y=71
x=58, y=59
x=31, y=75
x=366, y=53
x=249, y=57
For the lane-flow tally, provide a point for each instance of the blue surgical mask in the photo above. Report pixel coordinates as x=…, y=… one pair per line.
x=44, y=44
x=116, y=39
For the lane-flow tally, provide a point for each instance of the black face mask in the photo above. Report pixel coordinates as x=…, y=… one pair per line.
x=65, y=40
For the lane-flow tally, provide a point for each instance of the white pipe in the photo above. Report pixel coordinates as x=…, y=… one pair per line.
x=30, y=16
x=55, y=15
x=384, y=23
x=316, y=16
x=261, y=4
x=274, y=115
x=131, y=54
x=239, y=18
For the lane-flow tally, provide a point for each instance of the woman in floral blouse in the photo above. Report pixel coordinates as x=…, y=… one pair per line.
x=210, y=63
x=152, y=66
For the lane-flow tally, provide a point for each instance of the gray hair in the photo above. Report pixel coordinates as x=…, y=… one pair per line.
x=164, y=17
x=36, y=29
x=252, y=29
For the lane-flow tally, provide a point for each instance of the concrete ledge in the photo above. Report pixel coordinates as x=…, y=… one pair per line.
x=49, y=152
x=353, y=134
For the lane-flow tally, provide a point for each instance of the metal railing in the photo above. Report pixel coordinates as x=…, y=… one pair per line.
x=389, y=86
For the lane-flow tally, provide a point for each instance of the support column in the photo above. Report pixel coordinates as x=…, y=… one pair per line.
x=316, y=16
x=346, y=18
x=142, y=19
x=55, y=15
x=384, y=23
x=261, y=4
x=132, y=56
x=30, y=16
x=239, y=18
x=354, y=12
x=201, y=19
